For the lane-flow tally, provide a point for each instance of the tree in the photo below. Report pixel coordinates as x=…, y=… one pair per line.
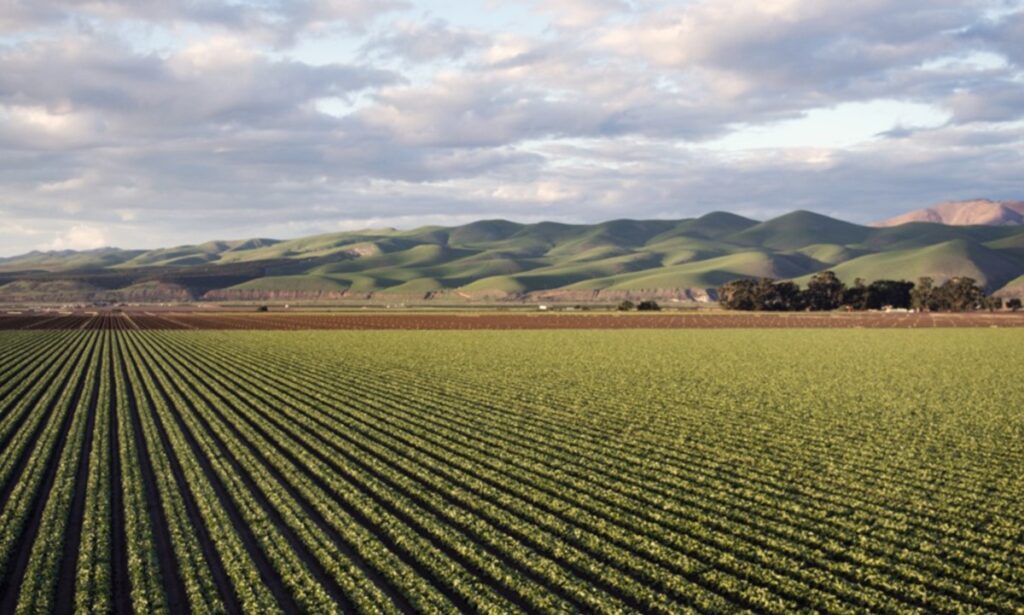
x=856, y=296
x=772, y=296
x=992, y=303
x=893, y=293
x=824, y=291
x=765, y=295
x=923, y=298
x=738, y=294
x=960, y=294
x=626, y=305
x=1014, y=304
x=648, y=306
x=262, y=308
x=789, y=297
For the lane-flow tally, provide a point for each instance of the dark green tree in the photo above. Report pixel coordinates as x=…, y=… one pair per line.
x=824, y=291
x=648, y=306
x=856, y=297
x=789, y=297
x=1014, y=304
x=960, y=294
x=891, y=293
x=765, y=296
x=738, y=294
x=992, y=303
x=924, y=297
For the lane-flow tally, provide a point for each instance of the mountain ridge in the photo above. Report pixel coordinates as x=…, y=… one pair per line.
x=973, y=212
x=499, y=260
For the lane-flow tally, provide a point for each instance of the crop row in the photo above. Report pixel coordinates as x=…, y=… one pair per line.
x=812, y=555
x=399, y=472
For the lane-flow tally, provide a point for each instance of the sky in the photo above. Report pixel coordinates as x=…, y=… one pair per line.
x=148, y=123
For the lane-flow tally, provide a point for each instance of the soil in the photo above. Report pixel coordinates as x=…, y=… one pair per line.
x=228, y=320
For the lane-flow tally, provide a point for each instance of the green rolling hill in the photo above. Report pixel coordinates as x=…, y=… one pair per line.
x=499, y=259
x=959, y=257
x=798, y=229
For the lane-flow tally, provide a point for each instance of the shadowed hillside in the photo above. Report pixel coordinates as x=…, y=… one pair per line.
x=502, y=260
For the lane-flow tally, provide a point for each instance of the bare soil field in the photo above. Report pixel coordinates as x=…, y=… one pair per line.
x=185, y=320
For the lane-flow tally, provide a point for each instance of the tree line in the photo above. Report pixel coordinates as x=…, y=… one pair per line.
x=825, y=291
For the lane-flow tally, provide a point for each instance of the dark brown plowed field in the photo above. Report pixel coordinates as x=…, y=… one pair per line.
x=454, y=321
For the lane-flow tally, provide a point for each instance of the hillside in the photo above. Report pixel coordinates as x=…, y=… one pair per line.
x=502, y=260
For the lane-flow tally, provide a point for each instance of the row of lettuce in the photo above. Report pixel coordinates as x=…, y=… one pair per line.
x=825, y=291
x=320, y=475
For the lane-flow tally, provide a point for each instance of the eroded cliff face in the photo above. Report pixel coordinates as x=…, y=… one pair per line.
x=161, y=292
x=59, y=291
x=153, y=293
x=700, y=295
x=230, y=295
x=24, y=291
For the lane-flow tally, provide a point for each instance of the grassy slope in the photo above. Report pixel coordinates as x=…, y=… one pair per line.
x=706, y=273
x=830, y=253
x=68, y=260
x=502, y=256
x=798, y=229
x=294, y=283
x=958, y=257
x=1013, y=288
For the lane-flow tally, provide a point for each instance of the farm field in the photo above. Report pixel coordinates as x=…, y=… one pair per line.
x=638, y=470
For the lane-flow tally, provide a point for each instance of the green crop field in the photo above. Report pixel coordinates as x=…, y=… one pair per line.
x=648, y=471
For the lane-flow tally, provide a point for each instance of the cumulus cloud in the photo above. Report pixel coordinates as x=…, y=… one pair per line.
x=217, y=81
x=79, y=237
x=803, y=49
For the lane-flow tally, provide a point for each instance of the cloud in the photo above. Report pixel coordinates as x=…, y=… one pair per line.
x=415, y=41
x=581, y=13
x=79, y=237
x=993, y=101
x=582, y=111
x=801, y=49
x=1001, y=34
x=277, y=22
x=114, y=91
